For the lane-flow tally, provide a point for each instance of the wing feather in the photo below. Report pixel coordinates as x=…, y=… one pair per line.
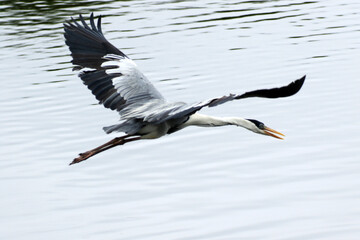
x=113, y=78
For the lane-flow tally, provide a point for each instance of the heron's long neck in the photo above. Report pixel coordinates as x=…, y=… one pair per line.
x=210, y=121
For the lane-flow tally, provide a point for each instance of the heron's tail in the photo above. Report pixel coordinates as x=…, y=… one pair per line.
x=128, y=127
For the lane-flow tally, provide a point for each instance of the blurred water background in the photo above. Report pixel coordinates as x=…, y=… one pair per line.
x=220, y=183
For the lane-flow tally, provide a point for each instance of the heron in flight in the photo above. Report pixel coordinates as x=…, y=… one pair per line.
x=119, y=85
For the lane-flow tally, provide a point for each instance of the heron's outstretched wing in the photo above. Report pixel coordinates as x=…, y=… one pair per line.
x=112, y=77
x=186, y=110
x=285, y=91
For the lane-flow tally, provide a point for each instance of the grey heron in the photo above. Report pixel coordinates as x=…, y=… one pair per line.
x=118, y=84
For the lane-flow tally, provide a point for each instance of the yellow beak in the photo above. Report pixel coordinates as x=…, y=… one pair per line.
x=269, y=131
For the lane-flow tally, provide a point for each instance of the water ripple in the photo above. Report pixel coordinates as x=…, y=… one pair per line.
x=222, y=183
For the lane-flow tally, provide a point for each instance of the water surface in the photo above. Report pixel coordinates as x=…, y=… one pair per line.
x=220, y=183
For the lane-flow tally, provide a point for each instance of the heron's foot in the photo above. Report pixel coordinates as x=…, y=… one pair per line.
x=82, y=157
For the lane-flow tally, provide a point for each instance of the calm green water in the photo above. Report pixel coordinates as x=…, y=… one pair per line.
x=221, y=183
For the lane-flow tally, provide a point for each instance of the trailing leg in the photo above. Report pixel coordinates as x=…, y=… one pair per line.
x=114, y=142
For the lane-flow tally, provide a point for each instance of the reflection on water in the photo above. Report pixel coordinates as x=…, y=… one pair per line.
x=222, y=183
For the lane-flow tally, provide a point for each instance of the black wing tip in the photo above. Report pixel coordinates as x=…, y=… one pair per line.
x=92, y=17
x=281, y=92
x=301, y=80
x=298, y=84
x=80, y=23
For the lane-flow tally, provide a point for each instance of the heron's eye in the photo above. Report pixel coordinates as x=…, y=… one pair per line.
x=257, y=123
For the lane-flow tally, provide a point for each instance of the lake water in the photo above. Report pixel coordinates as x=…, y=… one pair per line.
x=200, y=183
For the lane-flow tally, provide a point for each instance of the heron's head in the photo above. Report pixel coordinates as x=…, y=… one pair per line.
x=259, y=127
